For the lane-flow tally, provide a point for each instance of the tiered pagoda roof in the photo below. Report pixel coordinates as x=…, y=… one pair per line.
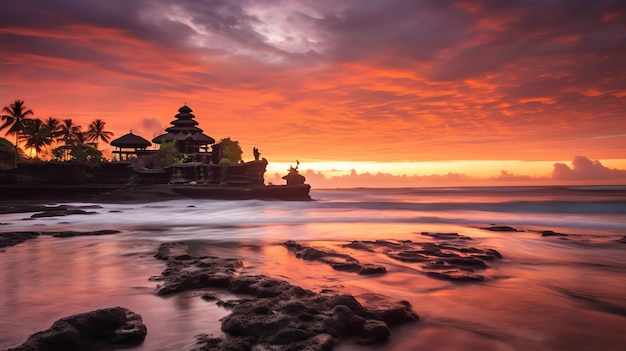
x=184, y=128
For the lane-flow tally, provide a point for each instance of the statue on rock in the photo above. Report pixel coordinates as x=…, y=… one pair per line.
x=256, y=153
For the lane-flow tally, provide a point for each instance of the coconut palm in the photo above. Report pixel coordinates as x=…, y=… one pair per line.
x=70, y=133
x=38, y=135
x=96, y=132
x=15, y=119
x=54, y=126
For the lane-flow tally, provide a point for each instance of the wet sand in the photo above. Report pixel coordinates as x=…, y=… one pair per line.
x=546, y=292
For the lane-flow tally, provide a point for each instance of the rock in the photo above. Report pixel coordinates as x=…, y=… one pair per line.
x=446, y=236
x=116, y=325
x=339, y=261
x=67, y=234
x=14, y=238
x=457, y=276
x=551, y=233
x=444, y=260
x=279, y=316
x=501, y=228
x=177, y=251
x=368, y=269
x=60, y=212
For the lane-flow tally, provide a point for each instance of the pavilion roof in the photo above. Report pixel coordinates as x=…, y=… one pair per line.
x=130, y=140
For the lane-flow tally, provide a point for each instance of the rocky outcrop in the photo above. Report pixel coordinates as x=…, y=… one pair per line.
x=551, y=233
x=14, y=238
x=42, y=210
x=501, y=228
x=118, y=326
x=446, y=236
x=339, y=261
x=445, y=260
x=279, y=316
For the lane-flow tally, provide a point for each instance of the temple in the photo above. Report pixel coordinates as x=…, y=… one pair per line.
x=197, y=168
x=202, y=163
x=184, y=131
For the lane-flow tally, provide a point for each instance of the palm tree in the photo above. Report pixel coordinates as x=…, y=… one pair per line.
x=16, y=117
x=69, y=133
x=54, y=126
x=96, y=132
x=38, y=135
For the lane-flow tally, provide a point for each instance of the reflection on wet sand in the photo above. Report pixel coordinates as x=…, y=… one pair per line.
x=546, y=293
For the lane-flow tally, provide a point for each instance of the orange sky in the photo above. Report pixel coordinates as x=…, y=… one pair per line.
x=419, y=82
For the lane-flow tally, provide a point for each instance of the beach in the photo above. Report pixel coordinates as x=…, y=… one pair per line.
x=557, y=282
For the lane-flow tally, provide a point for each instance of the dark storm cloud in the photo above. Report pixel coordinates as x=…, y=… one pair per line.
x=393, y=33
x=397, y=30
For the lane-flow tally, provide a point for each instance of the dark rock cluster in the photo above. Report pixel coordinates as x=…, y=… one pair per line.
x=339, y=261
x=279, y=316
x=48, y=211
x=118, y=326
x=551, y=233
x=446, y=236
x=502, y=228
x=444, y=260
x=14, y=238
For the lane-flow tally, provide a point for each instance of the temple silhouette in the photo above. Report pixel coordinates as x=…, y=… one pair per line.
x=202, y=164
x=200, y=172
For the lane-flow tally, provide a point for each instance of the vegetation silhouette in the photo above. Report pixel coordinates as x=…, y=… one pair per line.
x=15, y=119
x=38, y=135
x=97, y=132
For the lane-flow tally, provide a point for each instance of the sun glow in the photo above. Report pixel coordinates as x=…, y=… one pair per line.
x=479, y=169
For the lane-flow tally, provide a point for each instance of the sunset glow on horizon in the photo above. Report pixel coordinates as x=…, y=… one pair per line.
x=526, y=91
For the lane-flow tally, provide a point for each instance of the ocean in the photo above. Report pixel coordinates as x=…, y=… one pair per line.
x=548, y=292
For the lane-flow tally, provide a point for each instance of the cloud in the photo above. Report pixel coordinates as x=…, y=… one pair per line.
x=369, y=80
x=583, y=172
x=584, y=169
x=151, y=126
x=374, y=180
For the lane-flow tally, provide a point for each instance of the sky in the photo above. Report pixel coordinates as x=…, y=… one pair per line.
x=432, y=90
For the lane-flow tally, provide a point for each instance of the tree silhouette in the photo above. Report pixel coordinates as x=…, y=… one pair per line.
x=38, y=135
x=96, y=132
x=55, y=127
x=15, y=118
x=231, y=151
x=71, y=135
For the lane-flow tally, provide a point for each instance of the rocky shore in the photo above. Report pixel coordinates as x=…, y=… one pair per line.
x=267, y=312
x=279, y=315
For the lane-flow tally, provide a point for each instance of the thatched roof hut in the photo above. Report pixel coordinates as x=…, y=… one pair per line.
x=130, y=144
